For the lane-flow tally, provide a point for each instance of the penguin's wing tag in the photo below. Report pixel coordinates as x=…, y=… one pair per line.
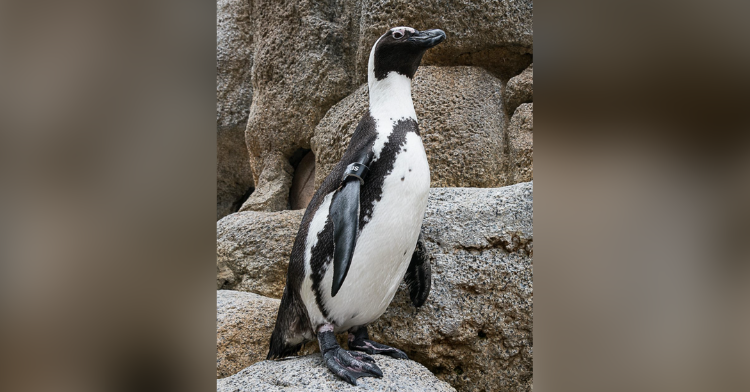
x=357, y=170
x=344, y=213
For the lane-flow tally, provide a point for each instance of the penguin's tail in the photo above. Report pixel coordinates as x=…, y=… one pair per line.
x=278, y=348
x=291, y=323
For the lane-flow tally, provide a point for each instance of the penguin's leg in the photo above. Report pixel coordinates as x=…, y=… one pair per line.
x=348, y=365
x=360, y=341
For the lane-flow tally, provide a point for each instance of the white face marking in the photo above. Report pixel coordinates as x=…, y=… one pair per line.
x=404, y=28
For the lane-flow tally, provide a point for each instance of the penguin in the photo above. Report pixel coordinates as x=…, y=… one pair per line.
x=361, y=233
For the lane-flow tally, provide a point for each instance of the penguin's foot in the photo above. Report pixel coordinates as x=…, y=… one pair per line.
x=359, y=340
x=348, y=365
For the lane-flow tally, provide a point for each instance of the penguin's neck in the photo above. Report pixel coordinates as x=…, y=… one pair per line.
x=390, y=98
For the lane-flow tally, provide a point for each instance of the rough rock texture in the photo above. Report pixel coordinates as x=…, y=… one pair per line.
x=308, y=55
x=496, y=35
x=234, y=60
x=475, y=330
x=460, y=119
x=309, y=373
x=521, y=143
x=520, y=89
x=234, y=176
x=272, y=193
x=304, y=63
x=244, y=322
x=255, y=248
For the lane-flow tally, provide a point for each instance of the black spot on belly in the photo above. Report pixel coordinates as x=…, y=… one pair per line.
x=402, y=178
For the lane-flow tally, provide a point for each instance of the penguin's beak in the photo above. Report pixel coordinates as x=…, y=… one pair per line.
x=428, y=38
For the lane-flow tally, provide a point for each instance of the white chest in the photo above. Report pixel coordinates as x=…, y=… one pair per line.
x=385, y=245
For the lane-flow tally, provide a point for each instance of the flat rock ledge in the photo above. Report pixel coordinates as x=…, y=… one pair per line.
x=309, y=373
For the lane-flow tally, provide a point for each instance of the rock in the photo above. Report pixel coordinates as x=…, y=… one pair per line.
x=303, y=64
x=475, y=330
x=521, y=143
x=498, y=36
x=309, y=373
x=244, y=322
x=234, y=176
x=460, y=120
x=273, y=192
x=255, y=247
x=234, y=60
x=520, y=89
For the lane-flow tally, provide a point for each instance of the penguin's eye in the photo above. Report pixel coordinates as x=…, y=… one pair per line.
x=398, y=34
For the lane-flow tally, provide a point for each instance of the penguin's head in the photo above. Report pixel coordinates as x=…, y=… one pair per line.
x=400, y=50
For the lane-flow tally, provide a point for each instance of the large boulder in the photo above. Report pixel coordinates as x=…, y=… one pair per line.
x=475, y=330
x=460, y=119
x=234, y=92
x=309, y=373
x=303, y=64
x=244, y=322
x=253, y=250
x=521, y=143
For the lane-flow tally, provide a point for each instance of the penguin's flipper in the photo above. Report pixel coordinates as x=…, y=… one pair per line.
x=345, y=216
x=419, y=274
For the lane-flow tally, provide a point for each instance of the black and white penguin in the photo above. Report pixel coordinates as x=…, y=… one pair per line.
x=359, y=236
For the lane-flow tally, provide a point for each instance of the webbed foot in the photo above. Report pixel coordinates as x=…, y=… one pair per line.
x=359, y=340
x=348, y=365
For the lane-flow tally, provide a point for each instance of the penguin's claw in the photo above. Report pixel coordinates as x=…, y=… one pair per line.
x=351, y=365
x=371, y=347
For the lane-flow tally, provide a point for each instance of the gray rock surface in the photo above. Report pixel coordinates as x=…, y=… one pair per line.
x=272, y=193
x=521, y=143
x=244, y=322
x=520, y=89
x=234, y=60
x=255, y=247
x=475, y=330
x=234, y=176
x=309, y=373
x=460, y=119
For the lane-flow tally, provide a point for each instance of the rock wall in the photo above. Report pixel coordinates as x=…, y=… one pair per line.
x=282, y=65
x=234, y=60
